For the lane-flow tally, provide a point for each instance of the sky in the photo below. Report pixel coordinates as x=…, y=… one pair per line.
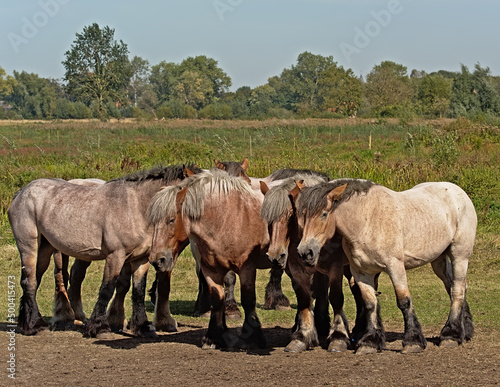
x=253, y=40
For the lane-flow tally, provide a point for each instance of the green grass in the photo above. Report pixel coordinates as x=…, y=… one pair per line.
x=400, y=157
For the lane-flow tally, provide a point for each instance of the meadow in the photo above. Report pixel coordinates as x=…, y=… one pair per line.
x=396, y=154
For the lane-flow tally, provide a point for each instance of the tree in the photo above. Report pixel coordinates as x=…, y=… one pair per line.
x=474, y=93
x=139, y=80
x=388, y=87
x=164, y=78
x=340, y=91
x=434, y=92
x=211, y=73
x=7, y=84
x=97, y=67
x=193, y=89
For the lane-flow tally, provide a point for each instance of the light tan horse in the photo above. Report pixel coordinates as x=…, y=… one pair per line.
x=220, y=216
x=387, y=231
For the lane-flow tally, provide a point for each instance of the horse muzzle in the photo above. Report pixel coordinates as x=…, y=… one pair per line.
x=309, y=253
x=163, y=262
x=277, y=259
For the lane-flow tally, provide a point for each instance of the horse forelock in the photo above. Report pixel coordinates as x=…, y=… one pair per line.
x=277, y=202
x=164, y=174
x=214, y=183
x=313, y=200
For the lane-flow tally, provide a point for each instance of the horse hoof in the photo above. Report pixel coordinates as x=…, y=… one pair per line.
x=296, y=346
x=366, y=350
x=412, y=349
x=448, y=344
x=203, y=315
x=104, y=336
x=337, y=346
x=208, y=346
x=166, y=328
x=78, y=323
x=149, y=335
x=233, y=314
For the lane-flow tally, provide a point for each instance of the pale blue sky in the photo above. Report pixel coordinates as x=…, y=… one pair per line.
x=255, y=39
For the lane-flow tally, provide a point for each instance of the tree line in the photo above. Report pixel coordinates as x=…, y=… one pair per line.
x=101, y=81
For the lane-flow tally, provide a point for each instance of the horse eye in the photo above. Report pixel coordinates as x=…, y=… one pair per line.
x=324, y=215
x=171, y=221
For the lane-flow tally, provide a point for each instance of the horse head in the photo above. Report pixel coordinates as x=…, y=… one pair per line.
x=316, y=218
x=282, y=222
x=170, y=237
x=234, y=168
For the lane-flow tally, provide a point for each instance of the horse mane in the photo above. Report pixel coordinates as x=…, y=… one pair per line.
x=277, y=201
x=214, y=183
x=285, y=173
x=166, y=174
x=313, y=199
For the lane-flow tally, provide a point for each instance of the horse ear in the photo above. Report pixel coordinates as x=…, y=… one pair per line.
x=296, y=190
x=179, y=199
x=188, y=172
x=219, y=165
x=336, y=193
x=244, y=164
x=263, y=187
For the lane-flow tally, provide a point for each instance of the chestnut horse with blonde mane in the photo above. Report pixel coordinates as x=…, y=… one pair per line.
x=220, y=216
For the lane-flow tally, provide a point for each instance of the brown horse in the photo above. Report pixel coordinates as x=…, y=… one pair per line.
x=89, y=223
x=278, y=210
x=389, y=231
x=213, y=211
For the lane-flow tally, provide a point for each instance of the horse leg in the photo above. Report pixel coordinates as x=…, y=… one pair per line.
x=339, y=332
x=274, y=297
x=62, y=312
x=139, y=324
x=163, y=320
x=97, y=322
x=217, y=335
x=32, y=268
x=202, y=304
x=232, y=311
x=251, y=333
x=152, y=290
x=413, y=339
x=373, y=338
x=77, y=274
x=304, y=334
x=320, y=284
x=116, y=311
x=459, y=324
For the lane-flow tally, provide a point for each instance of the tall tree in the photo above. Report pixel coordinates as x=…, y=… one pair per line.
x=7, y=84
x=434, y=92
x=164, y=79
x=474, y=93
x=140, y=70
x=97, y=66
x=340, y=90
x=388, y=87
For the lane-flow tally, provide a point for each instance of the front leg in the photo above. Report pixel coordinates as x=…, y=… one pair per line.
x=163, y=320
x=139, y=324
x=98, y=323
x=251, y=334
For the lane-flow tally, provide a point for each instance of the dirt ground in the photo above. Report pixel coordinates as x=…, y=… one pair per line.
x=176, y=359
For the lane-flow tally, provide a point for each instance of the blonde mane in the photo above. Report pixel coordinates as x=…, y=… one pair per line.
x=214, y=183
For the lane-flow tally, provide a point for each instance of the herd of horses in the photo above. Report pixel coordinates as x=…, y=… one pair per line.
x=300, y=222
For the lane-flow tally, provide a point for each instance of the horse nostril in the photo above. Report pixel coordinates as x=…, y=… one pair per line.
x=282, y=256
x=161, y=261
x=309, y=253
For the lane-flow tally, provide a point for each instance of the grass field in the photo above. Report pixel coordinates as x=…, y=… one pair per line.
x=387, y=152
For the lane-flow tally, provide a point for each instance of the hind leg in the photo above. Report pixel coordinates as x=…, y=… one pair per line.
x=139, y=323
x=77, y=275
x=232, y=311
x=320, y=284
x=32, y=268
x=62, y=313
x=459, y=324
x=274, y=297
x=116, y=310
x=163, y=320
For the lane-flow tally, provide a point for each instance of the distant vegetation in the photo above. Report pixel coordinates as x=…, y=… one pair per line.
x=101, y=81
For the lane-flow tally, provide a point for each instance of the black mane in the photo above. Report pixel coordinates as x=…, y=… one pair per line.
x=290, y=172
x=312, y=200
x=166, y=174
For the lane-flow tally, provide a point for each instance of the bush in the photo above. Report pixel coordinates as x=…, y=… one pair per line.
x=216, y=112
x=82, y=111
x=164, y=111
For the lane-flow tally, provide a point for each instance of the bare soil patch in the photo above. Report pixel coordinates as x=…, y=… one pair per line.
x=176, y=359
